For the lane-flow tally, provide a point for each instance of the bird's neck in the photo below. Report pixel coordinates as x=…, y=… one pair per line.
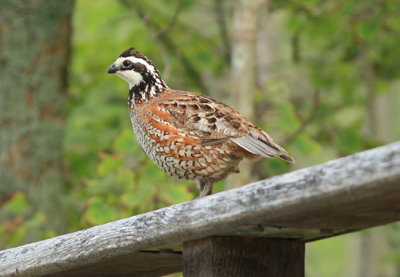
x=150, y=87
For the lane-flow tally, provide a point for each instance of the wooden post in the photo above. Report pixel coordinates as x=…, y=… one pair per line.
x=243, y=256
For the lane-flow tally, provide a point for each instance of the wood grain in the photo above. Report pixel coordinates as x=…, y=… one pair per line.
x=356, y=192
x=243, y=256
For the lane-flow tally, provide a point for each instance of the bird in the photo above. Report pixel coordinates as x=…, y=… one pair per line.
x=186, y=134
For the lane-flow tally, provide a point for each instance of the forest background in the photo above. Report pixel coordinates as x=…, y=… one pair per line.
x=321, y=77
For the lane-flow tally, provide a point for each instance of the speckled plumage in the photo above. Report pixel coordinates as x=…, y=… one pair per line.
x=188, y=135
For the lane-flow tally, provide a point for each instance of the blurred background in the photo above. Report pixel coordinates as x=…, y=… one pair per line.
x=321, y=77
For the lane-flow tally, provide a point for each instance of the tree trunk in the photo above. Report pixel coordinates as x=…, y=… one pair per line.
x=244, y=68
x=34, y=48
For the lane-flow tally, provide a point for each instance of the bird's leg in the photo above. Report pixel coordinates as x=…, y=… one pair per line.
x=205, y=186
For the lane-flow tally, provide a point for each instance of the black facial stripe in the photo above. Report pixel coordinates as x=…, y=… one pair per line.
x=132, y=53
x=138, y=67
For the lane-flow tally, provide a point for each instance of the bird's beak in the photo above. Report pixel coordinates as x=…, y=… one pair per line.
x=112, y=69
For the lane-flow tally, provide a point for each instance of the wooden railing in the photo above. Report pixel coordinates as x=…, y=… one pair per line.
x=256, y=230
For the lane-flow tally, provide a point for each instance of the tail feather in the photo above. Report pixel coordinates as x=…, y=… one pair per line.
x=260, y=143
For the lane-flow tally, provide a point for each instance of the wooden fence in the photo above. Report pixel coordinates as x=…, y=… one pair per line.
x=256, y=230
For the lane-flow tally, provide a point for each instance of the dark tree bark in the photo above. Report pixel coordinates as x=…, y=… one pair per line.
x=34, y=47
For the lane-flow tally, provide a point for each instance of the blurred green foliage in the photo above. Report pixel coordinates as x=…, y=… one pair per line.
x=17, y=223
x=339, y=43
x=338, y=56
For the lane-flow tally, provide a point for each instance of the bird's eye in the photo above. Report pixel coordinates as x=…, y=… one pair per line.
x=126, y=63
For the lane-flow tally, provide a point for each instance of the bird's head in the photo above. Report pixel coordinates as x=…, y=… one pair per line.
x=139, y=72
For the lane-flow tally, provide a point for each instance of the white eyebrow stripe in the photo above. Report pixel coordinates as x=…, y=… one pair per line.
x=150, y=67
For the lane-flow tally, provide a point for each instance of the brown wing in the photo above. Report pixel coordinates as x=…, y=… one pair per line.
x=215, y=122
x=206, y=117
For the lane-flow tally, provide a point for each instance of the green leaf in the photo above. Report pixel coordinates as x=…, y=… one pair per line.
x=98, y=212
x=306, y=145
x=18, y=204
x=145, y=191
x=48, y=234
x=186, y=3
x=176, y=193
x=276, y=166
x=348, y=116
x=289, y=120
x=152, y=174
x=218, y=187
x=350, y=142
x=367, y=28
x=311, y=2
x=99, y=185
x=109, y=164
x=39, y=219
x=125, y=179
x=131, y=199
x=14, y=236
x=125, y=142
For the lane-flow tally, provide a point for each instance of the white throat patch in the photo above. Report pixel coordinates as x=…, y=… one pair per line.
x=133, y=78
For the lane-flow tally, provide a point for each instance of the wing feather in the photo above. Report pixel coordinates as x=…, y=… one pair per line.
x=214, y=122
x=260, y=143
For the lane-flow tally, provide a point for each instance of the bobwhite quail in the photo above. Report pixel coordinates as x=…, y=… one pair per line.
x=188, y=135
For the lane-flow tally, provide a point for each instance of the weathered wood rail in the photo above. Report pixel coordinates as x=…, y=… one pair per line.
x=218, y=234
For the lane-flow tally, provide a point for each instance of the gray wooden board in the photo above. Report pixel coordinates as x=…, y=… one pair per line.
x=352, y=193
